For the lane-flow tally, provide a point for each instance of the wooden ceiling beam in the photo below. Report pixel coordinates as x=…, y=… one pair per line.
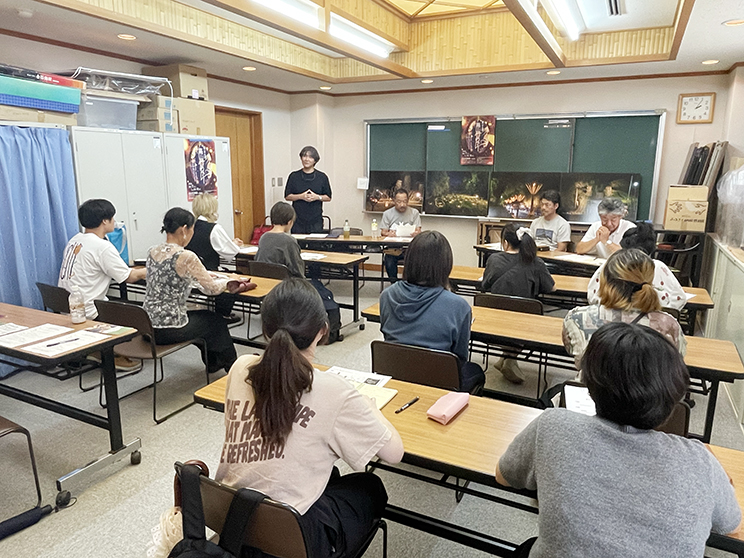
x=320, y=38
x=684, y=9
x=528, y=17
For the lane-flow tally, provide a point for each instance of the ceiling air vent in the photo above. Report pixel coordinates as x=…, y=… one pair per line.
x=614, y=7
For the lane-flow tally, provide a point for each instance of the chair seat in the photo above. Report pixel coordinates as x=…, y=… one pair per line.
x=8, y=426
x=142, y=350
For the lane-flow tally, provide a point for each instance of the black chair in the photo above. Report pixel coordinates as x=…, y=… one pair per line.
x=143, y=347
x=326, y=224
x=417, y=365
x=678, y=422
x=274, y=528
x=515, y=304
x=270, y=270
x=57, y=300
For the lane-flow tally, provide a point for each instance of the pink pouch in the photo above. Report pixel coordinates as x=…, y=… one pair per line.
x=448, y=406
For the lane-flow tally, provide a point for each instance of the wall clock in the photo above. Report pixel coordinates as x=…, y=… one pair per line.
x=695, y=108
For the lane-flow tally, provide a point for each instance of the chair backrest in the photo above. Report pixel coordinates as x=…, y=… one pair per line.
x=54, y=298
x=125, y=314
x=678, y=421
x=336, y=232
x=270, y=270
x=242, y=264
x=673, y=312
x=273, y=528
x=511, y=303
x=428, y=367
x=326, y=224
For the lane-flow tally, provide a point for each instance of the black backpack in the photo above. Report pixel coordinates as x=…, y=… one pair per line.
x=332, y=309
x=195, y=543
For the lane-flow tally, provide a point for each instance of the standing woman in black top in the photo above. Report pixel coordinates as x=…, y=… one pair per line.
x=307, y=189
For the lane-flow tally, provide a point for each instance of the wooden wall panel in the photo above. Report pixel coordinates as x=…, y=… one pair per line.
x=376, y=17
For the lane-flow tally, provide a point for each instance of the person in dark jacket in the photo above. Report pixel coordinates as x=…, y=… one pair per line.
x=517, y=271
x=420, y=310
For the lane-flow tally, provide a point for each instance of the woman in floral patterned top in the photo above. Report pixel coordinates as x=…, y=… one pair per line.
x=172, y=271
x=626, y=294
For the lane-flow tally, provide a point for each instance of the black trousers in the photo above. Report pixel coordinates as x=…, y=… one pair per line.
x=337, y=524
x=307, y=227
x=471, y=374
x=206, y=325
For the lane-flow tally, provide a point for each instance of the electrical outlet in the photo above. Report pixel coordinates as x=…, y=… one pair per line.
x=280, y=182
x=273, y=181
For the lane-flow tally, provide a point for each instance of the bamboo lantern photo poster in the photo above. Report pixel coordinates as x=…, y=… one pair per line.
x=477, y=140
x=201, y=167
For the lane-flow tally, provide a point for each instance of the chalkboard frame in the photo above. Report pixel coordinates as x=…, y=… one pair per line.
x=660, y=113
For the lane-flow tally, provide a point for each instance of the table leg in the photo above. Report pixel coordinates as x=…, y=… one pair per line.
x=355, y=282
x=108, y=370
x=710, y=411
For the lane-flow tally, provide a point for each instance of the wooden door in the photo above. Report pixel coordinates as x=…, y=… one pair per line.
x=245, y=130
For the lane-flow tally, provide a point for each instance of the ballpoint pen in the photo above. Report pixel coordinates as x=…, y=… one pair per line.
x=60, y=342
x=404, y=407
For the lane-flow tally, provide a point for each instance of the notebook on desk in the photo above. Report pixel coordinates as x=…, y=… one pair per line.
x=380, y=395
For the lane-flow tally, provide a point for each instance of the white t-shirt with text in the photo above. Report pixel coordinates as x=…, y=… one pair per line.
x=90, y=263
x=334, y=421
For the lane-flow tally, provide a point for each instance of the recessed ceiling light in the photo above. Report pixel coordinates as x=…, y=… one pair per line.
x=733, y=22
x=25, y=13
x=126, y=37
x=553, y=72
x=249, y=68
x=427, y=81
x=710, y=62
x=325, y=87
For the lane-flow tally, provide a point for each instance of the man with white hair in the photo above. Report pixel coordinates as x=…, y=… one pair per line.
x=603, y=237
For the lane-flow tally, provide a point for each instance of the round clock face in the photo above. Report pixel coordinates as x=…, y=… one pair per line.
x=696, y=108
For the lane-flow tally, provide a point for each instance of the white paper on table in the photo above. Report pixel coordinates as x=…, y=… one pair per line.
x=66, y=343
x=362, y=183
x=108, y=329
x=580, y=258
x=249, y=249
x=359, y=377
x=399, y=238
x=32, y=334
x=309, y=256
x=480, y=278
x=317, y=235
x=10, y=328
x=405, y=229
x=688, y=296
x=300, y=236
x=577, y=399
x=493, y=245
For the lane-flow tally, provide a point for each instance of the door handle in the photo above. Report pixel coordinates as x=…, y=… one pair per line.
x=238, y=212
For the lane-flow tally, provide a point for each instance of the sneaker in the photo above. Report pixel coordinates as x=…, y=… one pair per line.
x=510, y=370
x=499, y=363
x=124, y=364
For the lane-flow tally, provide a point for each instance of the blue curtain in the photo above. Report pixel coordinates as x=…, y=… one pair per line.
x=38, y=210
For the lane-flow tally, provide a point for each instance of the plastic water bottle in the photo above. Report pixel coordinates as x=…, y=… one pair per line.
x=77, y=306
x=375, y=229
x=347, y=229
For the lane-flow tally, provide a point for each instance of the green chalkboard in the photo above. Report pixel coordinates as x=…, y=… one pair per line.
x=397, y=147
x=443, y=149
x=619, y=144
x=532, y=146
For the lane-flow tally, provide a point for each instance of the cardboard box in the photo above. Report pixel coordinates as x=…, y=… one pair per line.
x=682, y=215
x=687, y=193
x=161, y=124
x=20, y=114
x=188, y=81
x=196, y=117
x=154, y=113
x=161, y=101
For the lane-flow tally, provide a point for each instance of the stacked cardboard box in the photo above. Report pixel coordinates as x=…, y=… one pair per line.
x=21, y=114
x=161, y=115
x=188, y=112
x=686, y=209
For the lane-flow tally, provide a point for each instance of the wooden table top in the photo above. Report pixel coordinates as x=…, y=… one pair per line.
x=30, y=317
x=716, y=356
x=337, y=258
x=570, y=284
x=264, y=284
x=558, y=255
x=485, y=426
x=354, y=239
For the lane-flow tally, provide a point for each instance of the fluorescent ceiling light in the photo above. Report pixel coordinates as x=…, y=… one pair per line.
x=353, y=34
x=299, y=10
x=566, y=15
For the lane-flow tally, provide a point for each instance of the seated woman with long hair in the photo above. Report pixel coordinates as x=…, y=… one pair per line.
x=171, y=272
x=287, y=423
x=420, y=310
x=609, y=485
x=626, y=294
x=516, y=271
